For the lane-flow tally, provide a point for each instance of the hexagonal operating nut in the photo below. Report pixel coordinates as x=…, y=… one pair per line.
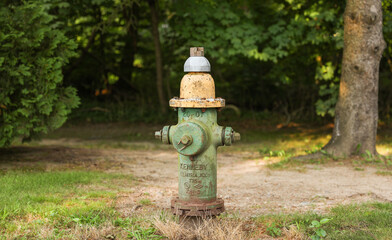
x=186, y=140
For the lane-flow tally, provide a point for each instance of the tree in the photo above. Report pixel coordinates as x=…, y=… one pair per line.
x=158, y=54
x=356, y=114
x=33, y=51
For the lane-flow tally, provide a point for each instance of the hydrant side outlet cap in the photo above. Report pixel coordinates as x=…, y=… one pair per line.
x=197, y=64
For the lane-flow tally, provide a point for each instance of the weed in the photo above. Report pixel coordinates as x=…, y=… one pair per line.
x=140, y=233
x=145, y=202
x=281, y=164
x=368, y=156
x=267, y=151
x=384, y=173
x=319, y=233
x=315, y=149
x=93, y=218
x=122, y=222
x=358, y=149
x=4, y=213
x=273, y=230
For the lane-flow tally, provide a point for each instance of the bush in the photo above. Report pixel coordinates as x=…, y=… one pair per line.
x=33, y=50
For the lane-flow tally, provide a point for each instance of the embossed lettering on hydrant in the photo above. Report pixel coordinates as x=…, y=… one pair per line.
x=193, y=166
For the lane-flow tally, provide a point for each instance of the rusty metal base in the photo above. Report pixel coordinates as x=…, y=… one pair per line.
x=197, y=209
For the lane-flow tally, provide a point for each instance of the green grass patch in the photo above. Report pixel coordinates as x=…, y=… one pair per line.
x=356, y=221
x=137, y=228
x=145, y=201
x=23, y=191
x=61, y=199
x=290, y=163
x=384, y=173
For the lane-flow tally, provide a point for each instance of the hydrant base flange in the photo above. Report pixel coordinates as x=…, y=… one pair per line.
x=200, y=209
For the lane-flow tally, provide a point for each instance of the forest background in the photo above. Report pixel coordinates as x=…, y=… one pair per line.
x=278, y=61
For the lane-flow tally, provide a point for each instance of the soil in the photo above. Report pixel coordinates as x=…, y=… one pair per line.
x=248, y=186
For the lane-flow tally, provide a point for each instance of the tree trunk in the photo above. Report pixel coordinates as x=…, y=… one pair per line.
x=158, y=55
x=356, y=112
x=130, y=14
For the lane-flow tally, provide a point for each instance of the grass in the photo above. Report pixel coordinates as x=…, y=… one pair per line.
x=145, y=201
x=23, y=191
x=56, y=201
x=35, y=204
x=356, y=221
x=208, y=229
x=384, y=173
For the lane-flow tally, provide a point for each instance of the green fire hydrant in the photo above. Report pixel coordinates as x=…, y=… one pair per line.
x=196, y=137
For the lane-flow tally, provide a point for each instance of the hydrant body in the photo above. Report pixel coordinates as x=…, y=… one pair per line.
x=196, y=137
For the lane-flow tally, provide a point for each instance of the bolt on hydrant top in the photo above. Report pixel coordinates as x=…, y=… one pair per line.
x=197, y=62
x=197, y=87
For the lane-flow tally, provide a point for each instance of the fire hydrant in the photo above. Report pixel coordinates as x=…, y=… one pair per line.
x=196, y=138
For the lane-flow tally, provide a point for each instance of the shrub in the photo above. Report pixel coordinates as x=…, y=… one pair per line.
x=33, y=50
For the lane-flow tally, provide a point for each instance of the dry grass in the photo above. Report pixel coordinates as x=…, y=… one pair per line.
x=293, y=233
x=219, y=229
x=105, y=231
x=209, y=229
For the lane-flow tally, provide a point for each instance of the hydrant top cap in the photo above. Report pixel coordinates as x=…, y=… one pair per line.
x=197, y=62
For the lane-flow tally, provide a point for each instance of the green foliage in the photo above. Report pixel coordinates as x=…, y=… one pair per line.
x=360, y=221
x=145, y=201
x=319, y=233
x=308, y=36
x=61, y=200
x=346, y=222
x=93, y=218
x=269, y=152
x=276, y=56
x=45, y=192
x=329, y=89
x=33, y=50
x=221, y=27
x=300, y=24
x=273, y=230
x=139, y=233
x=370, y=158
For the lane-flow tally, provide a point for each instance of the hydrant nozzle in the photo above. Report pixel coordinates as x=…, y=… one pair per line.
x=196, y=138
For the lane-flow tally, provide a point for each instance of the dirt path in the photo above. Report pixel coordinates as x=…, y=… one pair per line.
x=248, y=187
